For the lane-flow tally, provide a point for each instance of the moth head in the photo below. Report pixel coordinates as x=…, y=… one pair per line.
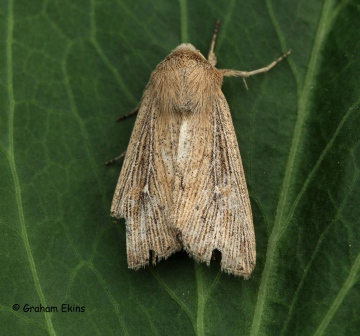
x=187, y=48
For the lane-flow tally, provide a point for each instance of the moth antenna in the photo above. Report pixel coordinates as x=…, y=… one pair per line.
x=211, y=56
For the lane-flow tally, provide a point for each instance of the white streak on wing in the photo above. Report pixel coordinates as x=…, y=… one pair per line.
x=146, y=189
x=183, y=141
x=142, y=224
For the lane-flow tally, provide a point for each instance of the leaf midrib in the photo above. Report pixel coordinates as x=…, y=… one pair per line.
x=325, y=23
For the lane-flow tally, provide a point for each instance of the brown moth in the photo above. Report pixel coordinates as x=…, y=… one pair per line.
x=182, y=184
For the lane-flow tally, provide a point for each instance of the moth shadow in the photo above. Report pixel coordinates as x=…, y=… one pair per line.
x=215, y=262
x=182, y=260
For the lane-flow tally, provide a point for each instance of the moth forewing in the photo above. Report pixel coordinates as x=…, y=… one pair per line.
x=143, y=192
x=182, y=184
x=211, y=204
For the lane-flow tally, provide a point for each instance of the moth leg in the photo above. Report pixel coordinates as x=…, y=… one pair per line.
x=127, y=115
x=237, y=73
x=211, y=56
x=110, y=162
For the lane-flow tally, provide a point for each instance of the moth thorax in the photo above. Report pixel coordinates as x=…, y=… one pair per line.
x=190, y=91
x=187, y=104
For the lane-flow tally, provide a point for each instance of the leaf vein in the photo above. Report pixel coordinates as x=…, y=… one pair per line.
x=174, y=297
x=303, y=110
x=13, y=168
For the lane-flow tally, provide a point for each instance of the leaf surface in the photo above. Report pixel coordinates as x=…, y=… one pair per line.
x=68, y=69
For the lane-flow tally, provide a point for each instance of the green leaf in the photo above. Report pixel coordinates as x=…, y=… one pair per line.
x=69, y=68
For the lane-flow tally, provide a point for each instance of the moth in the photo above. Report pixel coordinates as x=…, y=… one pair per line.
x=182, y=184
